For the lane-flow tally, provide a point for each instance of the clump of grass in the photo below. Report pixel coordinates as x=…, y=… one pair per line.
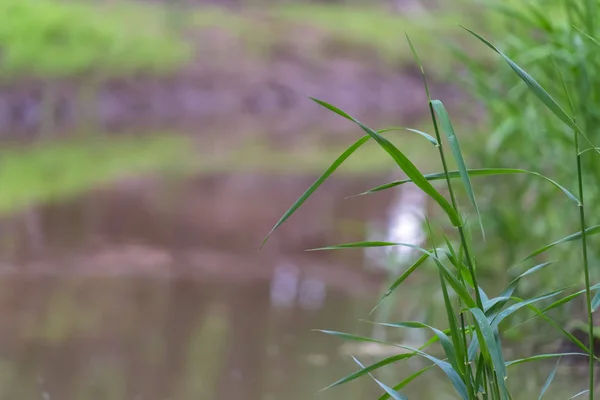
x=473, y=357
x=539, y=35
x=55, y=39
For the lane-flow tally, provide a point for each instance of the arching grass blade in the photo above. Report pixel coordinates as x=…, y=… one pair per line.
x=394, y=394
x=443, y=365
x=448, y=129
x=537, y=90
x=575, y=236
x=490, y=349
x=318, y=183
x=367, y=370
x=447, y=345
x=407, y=381
x=408, y=272
x=473, y=173
x=404, y=163
x=542, y=357
x=426, y=135
x=549, y=380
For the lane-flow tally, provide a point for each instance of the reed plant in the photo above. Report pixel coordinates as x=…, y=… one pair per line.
x=553, y=41
x=473, y=357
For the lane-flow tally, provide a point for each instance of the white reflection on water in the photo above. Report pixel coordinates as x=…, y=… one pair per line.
x=288, y=287
x=404, y=225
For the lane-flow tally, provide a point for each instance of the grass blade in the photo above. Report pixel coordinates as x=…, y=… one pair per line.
x=448, y=129
x=460, y=290
x=427, y=136
x=475, y=172
x=586, y=391
x=522, y=303
x=401, y=279
x=443, y=365
x=407, y=381
x=394, y=394
x=575, y=236
x=541, y=357
x=549, y=380
x=404, y=163
x=537, y=90
x=369, y=369
x=447, y=345
x=596, y=301
x=369, y=245
x=491, y=349
x=587, y=36
x=568, y=298
x=349, y=151
x=495, y=304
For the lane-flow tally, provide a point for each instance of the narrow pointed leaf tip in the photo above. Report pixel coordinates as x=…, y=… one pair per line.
x=418, y=61
x=404, y=163
x=349, y=151
x=394, y=394
x=536, y=89
x=448, y=129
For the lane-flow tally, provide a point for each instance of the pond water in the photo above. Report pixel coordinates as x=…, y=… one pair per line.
x=156, y=290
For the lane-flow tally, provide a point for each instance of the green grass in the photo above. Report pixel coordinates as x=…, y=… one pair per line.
x=56, y=39
x=54, y=171
x=315, y=31
x=472, y=352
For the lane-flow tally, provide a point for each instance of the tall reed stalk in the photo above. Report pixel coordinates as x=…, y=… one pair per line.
x=473, y=356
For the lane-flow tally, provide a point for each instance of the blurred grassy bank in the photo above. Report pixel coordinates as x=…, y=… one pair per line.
x=55, y=38
x=57, y=170
x=49, y=40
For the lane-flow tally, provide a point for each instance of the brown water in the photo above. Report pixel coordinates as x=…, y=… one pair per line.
x=157, y=291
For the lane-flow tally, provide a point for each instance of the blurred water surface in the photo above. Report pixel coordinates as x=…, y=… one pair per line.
x=157, y=290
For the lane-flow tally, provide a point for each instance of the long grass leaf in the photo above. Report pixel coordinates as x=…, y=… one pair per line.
x=394, y=394
x=369, y=369
x=448, y=129
x=369, y=244
x=566, y=334
x=567, y=299
x=406, y=381
x=419, y=64
x=485, y=334
x=447, y=345
x=586, y=391
x=349, y=151
x=401, y=279
x=549, y=380
x=587, y=36
x=541, y=357
x=495, y=304
x=426, y=135
x=537, y=90
x=404, y=163
x=475, y=172
x=460, y=290
x=596, y=301
x=522, y=303
x=575, y=236
x=443, y=365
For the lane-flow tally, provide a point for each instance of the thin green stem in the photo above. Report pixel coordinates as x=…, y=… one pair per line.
x=455, y=206
x=468, y=372
x=586, y=272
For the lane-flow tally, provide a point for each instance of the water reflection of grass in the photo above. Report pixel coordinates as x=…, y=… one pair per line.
x=56, y=170
x=51, y=171
x=308, y=158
